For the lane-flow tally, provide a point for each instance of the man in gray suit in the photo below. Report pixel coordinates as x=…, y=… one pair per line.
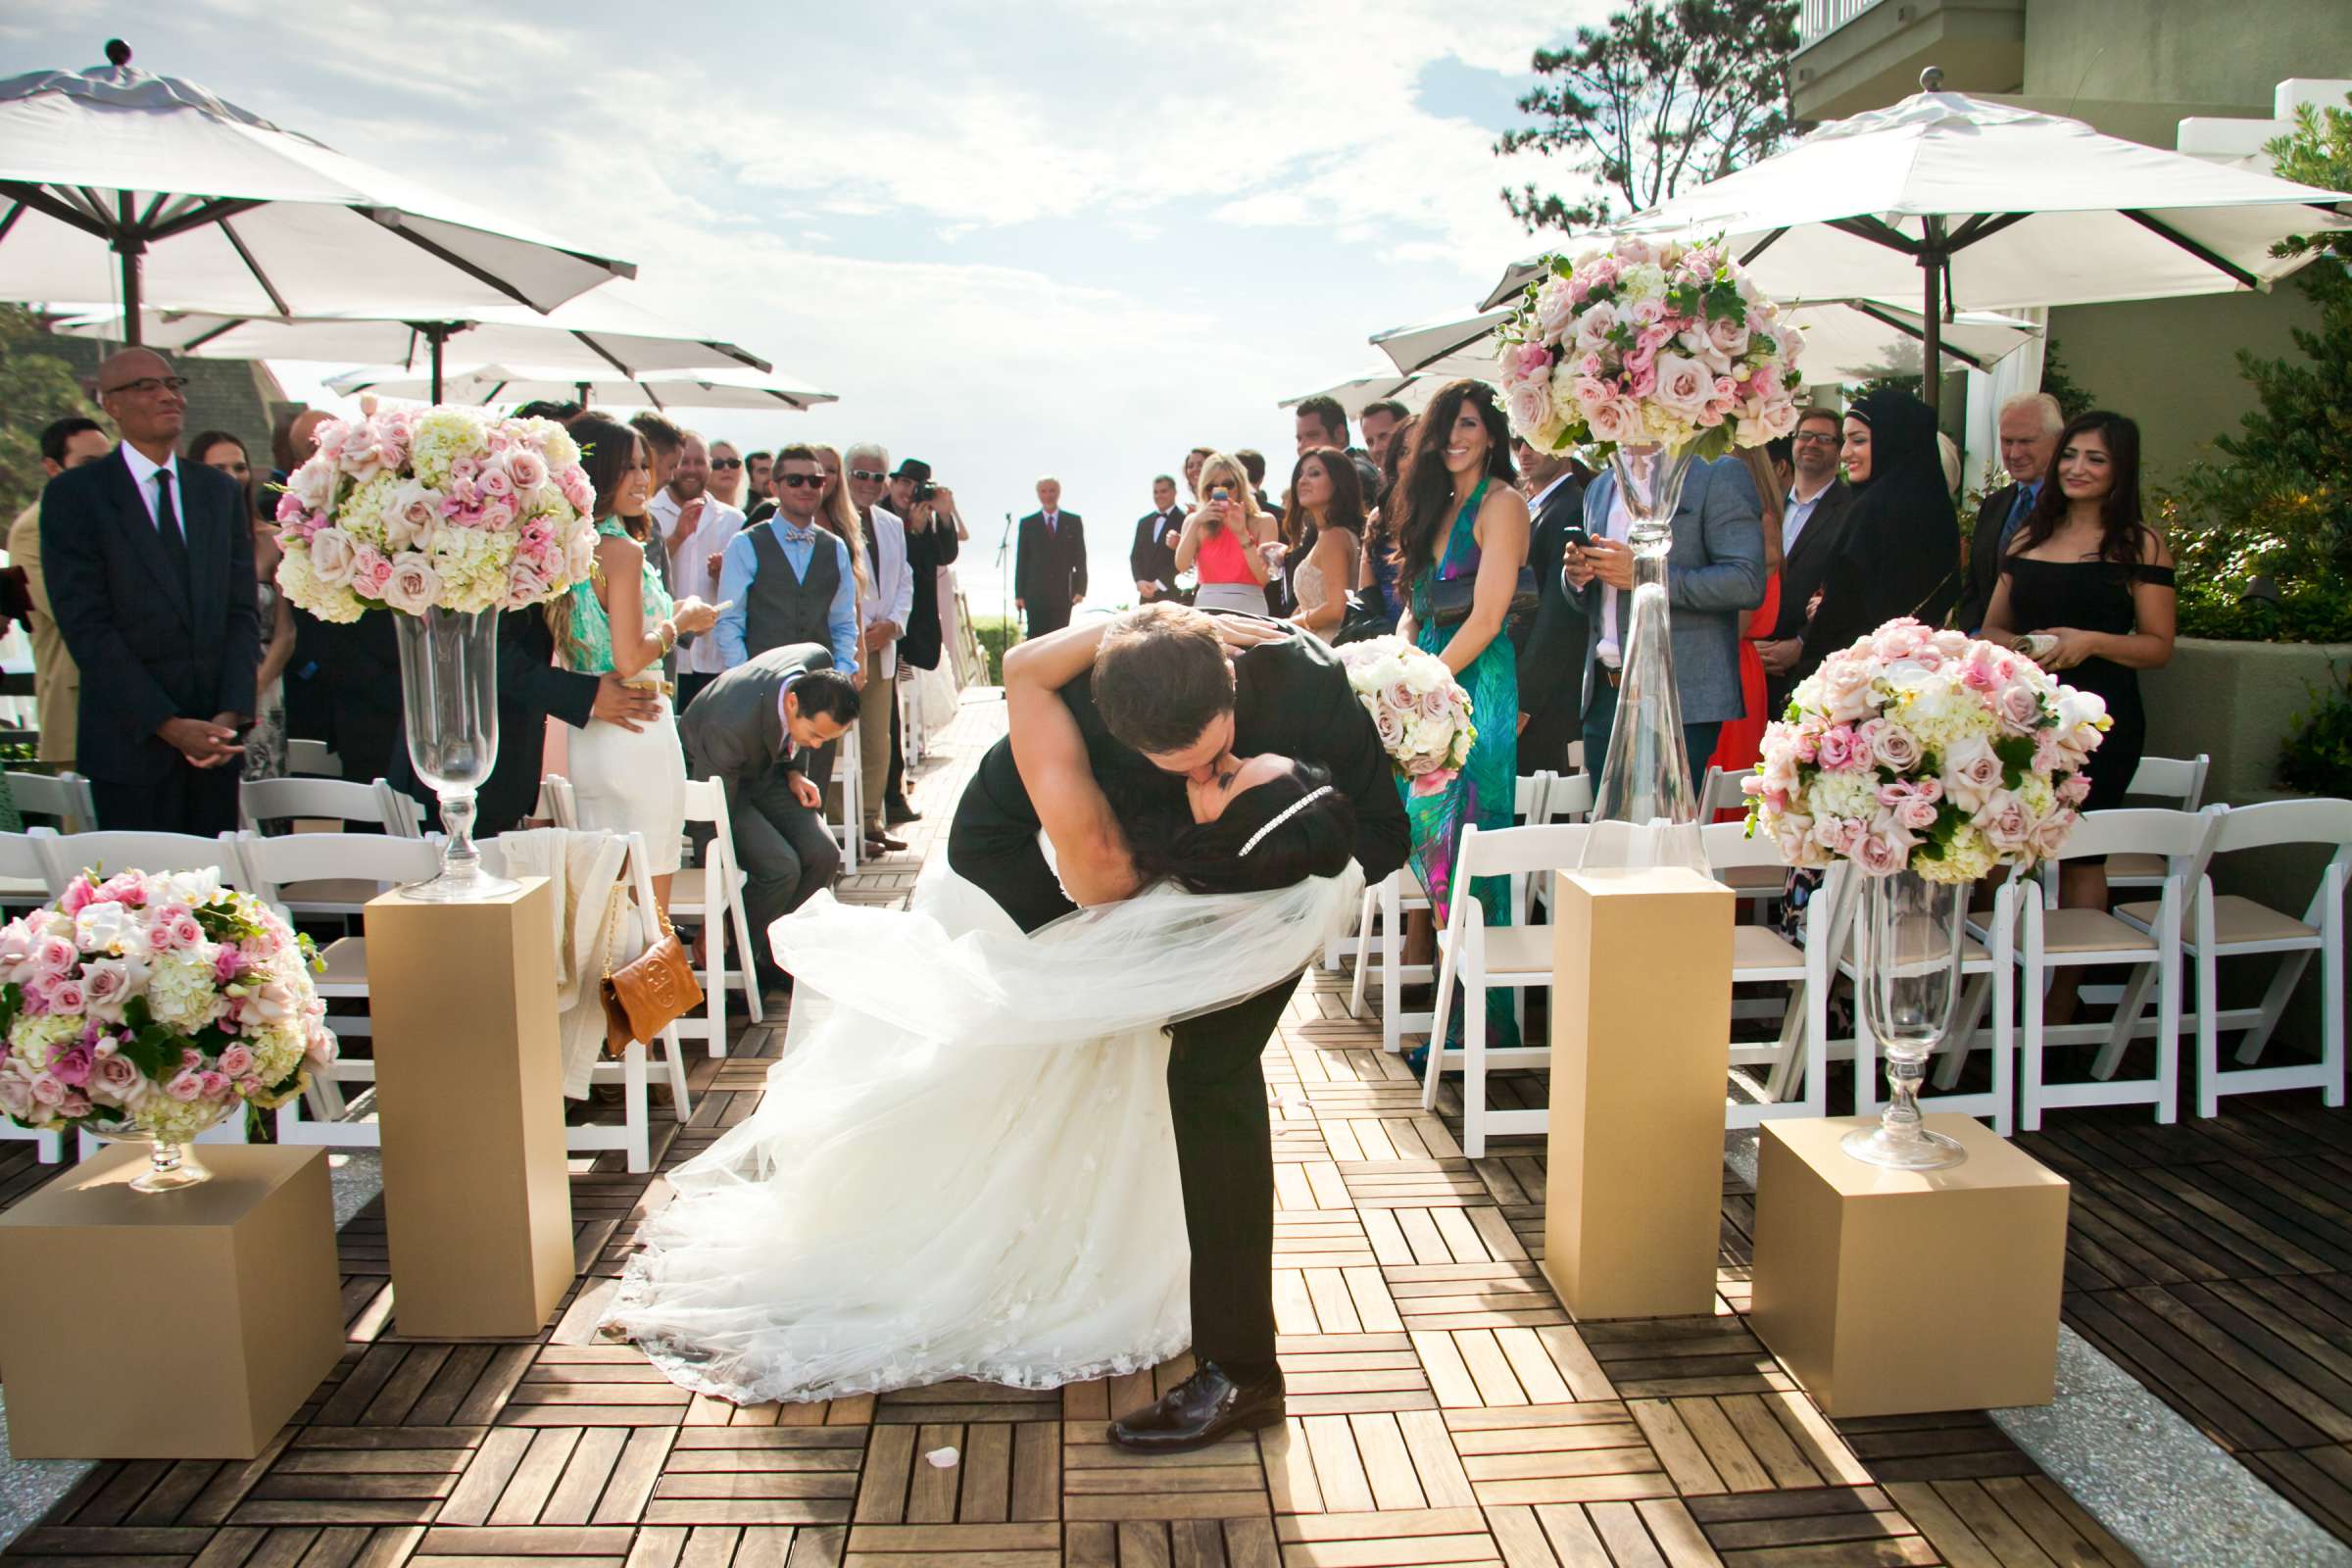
x=764, y=730
x=1714, y=577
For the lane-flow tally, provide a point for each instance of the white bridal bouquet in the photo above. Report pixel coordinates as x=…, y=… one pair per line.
x=443, y=508
x=154, y=1004
x=1421, y=711
x=1649, y=343
x=1926, y=750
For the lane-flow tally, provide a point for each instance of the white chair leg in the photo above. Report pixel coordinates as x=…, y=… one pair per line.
x=2128, y=1012
x=742, y=943
x=2209, y=1027
x=2004, y=1040
x=1391, y=969
x=2331, y=1007
x=1473, y=1049
x=2168, y=1033
x=2037, y=981
x=637, y=1118
x=673, y=1057
x=1363, y=954
x=2273, y=1003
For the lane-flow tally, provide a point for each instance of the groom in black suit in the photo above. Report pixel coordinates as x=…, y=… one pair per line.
x=1285, y=694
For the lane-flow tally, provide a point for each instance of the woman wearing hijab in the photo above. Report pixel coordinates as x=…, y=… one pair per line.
x=1901, y=551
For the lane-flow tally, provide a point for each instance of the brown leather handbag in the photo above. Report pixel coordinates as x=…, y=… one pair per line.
x=649, y=993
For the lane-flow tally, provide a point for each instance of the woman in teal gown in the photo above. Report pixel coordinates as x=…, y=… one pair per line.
x=1457, y=515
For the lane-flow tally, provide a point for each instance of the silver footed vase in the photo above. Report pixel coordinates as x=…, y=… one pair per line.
x=449, y=698
x=1908, y=980
x=1646, y=809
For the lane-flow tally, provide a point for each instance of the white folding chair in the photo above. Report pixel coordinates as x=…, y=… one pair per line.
x=634, y=1136
x=556, y=804
x=329, y=799
x=914, y=735
x=2047, y=938
x=849, y=774
x=357, y=867
x=1518, y=957
x=22, y=870
x=62, y=859
x=65, y=797
x=1984, y=972
x=718, y=907
x=2178, y=780
x=1757, y=881
x=312, y=759
x=1568, y=799
x=1800, y=1056
x=2230, y=926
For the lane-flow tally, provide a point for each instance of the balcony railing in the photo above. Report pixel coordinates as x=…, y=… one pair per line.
x=1821, y=18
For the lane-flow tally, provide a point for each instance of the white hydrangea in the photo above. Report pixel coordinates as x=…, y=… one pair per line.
x=182, y=990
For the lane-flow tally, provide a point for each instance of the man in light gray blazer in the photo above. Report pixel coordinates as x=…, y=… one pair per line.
x=765, y=731
x=1714, y=577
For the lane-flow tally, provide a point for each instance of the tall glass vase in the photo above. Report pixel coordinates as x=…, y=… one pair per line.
x=1646, y=810
x=449, y=695
x=1909, y=980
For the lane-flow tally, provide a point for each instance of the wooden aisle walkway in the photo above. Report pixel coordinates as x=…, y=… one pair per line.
x=1445, y=1408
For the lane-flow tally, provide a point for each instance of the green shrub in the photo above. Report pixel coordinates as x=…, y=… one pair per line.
x=2316, y=758
x=996, y=633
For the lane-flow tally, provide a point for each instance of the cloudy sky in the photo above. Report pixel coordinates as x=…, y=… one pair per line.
x=1058, y=237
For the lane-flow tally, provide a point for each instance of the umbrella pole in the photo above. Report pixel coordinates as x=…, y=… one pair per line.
x=1933, y=264
x=434, y=337
x=129, y=244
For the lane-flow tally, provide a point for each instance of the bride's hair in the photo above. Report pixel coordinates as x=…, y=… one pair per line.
x=1247, y=849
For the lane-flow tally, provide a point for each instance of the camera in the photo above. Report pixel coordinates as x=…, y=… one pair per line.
x=924, y=490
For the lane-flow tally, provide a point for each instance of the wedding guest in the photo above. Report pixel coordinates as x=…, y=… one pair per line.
x=885, y=609
x=1254, y=464
x=1900, y=553
x=1457, y=515
x=1192, y=470
x=1049, y=573
x=756, y=467
x=341, y=679
x=1812, y=525
x=1714, y=575
x=1219, y=540
x=935, y=536
x=765, y=730
x=622, y=621
x=310, y=705
x=696, y=526
x=1323, y=422
x=778, y=585
x=266, y=742
x=2029, y=428
x=1741, y=742
x=149, y=567
x=2087, y=567
x=1379, y=542
x=1323, y=528
x=726, y=473
x=664, y=446
x=1152, y=555
x=1552, y=650
x=67, y=443
x=1380, y=422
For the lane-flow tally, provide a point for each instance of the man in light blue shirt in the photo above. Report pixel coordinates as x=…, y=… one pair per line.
x=778, y=586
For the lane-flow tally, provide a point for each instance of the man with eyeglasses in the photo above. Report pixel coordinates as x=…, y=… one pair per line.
x=696, y=528
x=1813, y=522
x=67, y=443
x=787, y=580
x=884, y=611
x=149, y=564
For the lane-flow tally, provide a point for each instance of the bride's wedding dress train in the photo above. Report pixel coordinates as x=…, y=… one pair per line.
x=963, y=1165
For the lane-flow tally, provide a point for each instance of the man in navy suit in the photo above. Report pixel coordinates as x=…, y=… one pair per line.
x=150, y=567
x=1048, y=570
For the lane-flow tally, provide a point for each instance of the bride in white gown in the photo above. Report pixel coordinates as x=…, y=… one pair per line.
x=963, y=1165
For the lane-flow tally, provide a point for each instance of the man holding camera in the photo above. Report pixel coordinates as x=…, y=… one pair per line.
x=1049, y=571
x=934, y=539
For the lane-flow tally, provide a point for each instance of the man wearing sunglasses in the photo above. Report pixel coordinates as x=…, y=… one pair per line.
x=149, y=563
x=788, y=580
x=1812, y=524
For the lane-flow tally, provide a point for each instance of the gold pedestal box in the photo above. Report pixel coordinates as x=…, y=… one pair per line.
x=1641, y=1051
x=470, y=1084
x=1896, y=1291
x=181, y=1325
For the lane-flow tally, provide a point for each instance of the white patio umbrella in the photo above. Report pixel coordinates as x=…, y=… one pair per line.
x=1966, y=203
x=198, y=204
x=506, y=386
x=601, y=334
x=1355, y=396
x=1845, y=340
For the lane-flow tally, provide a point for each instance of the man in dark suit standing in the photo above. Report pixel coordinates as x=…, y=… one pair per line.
x=1152, y=555
x=1048, y=570
x=765, y=730
x=1813, y=521
x=2029, y=426
x=1552, y=650
x=150, y=571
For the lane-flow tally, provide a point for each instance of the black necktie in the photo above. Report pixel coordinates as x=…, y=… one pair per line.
x=166, y=516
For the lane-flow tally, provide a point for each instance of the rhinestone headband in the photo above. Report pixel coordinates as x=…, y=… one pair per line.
x=1284, y=815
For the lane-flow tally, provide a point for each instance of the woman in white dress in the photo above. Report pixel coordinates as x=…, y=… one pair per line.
x=621, y=620
x=963, y=1167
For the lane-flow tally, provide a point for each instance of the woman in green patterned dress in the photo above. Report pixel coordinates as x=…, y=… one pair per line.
x=1457, y=515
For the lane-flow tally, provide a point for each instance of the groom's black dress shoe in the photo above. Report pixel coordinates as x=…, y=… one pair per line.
x=1201, y=1409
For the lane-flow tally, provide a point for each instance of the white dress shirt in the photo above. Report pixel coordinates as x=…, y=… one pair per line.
x=1620, y=524
x=1798, y=512
x=690, y=574
x=891, y=595
x=1536, y=505
x=143, y=472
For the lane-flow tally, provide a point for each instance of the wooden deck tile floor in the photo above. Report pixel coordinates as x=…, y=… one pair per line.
x=1443, y=1407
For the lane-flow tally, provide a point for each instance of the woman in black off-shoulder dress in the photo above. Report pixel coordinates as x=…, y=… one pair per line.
x=2087, y=568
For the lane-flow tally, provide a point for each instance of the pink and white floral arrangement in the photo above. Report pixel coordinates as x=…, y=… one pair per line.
x=153, y=1005
x=1420, y=711
x=1649, y=343
x=448, y=507
x=1926, y=750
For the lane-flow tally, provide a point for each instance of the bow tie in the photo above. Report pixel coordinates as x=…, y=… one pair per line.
x=799, y=536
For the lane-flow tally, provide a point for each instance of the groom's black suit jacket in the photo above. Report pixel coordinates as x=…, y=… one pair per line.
x=1290, y=697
